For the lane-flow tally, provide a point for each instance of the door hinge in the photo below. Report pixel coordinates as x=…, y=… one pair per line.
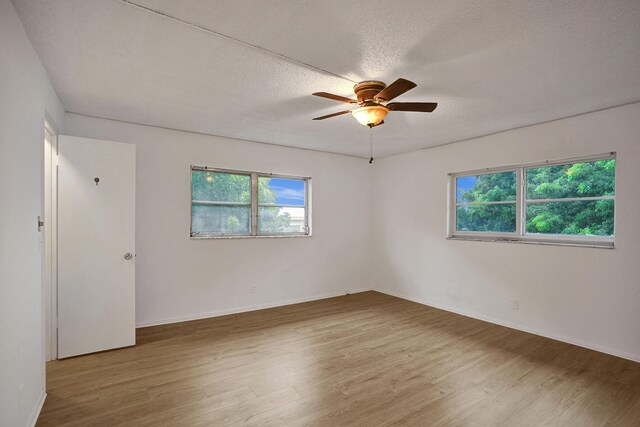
x=40, y=223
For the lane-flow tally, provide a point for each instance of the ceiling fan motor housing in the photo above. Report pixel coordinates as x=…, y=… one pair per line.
x=365, y=91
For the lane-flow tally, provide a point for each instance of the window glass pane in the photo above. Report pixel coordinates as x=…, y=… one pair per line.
x=587, y=217
x=494, y=217
x=490, y=187
x=217, y=219
x=590, y=179
x=275, y=219
x=220, y=187
x=281, y=191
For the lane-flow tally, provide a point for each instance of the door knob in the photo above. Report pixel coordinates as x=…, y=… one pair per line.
x=128, y=256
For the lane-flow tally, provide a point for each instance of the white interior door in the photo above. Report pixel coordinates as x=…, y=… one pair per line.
x=96, y=243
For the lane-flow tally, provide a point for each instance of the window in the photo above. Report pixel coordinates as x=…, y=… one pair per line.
x=220, y=203
x=281, y=205
x=568, y=201
x=486, y=202
x=227, y=203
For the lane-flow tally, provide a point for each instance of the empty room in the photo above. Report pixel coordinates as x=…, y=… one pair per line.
x=319, y=213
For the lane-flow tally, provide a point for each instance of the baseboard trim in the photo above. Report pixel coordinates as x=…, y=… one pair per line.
x=244, y=309
x=36, y=411
x=579, y=343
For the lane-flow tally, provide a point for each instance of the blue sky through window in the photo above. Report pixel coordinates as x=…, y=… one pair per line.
x=288, y=191
x=464, y=184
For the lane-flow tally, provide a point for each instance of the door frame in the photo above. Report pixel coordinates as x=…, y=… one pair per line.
x=50, y=241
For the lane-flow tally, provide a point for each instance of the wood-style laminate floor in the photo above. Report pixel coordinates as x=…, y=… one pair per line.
x=366, y=359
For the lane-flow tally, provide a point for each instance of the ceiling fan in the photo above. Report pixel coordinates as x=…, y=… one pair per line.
x=372, y=101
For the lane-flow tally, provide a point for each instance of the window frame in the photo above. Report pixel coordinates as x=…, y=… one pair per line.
x=306, y=202
x=452, y=206
x=520, y=235
x=253, y=204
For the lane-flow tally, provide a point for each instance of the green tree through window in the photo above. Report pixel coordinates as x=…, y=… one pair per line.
x=487, y=202
x=566, y=199
x=572, y=181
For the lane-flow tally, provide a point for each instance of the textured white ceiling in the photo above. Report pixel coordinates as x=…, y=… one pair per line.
x=491, y=65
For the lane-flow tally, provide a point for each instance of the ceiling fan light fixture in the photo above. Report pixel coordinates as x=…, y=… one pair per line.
x=370, y=115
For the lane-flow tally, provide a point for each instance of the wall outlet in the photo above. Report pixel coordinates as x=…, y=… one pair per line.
x=514, y=304
x=254, y=289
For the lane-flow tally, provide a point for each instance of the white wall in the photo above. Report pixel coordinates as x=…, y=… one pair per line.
x=178, y=278
x=25, y=93
x=586, y=296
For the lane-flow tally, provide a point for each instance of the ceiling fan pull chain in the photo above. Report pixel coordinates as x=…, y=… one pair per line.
x=371, y=145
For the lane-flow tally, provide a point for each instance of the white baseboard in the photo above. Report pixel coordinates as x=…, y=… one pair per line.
x=244, y=309
x=579, y=343
x=36, y=411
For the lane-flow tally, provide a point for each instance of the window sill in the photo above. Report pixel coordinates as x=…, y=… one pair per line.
x=269, y=236
x=585, y=244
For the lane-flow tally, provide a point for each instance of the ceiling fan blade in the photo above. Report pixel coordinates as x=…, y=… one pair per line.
x=421, y=107
x=332, y=115
x=395, y=89
x=335, y=97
